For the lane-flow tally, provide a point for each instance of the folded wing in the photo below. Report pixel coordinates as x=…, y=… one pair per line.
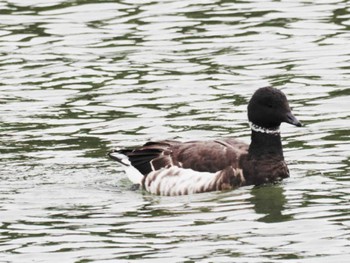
x=201, y=156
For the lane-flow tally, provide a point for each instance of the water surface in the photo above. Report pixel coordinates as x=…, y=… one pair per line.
x=80, y=77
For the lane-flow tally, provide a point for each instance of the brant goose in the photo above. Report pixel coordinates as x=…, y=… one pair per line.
x=179, y=168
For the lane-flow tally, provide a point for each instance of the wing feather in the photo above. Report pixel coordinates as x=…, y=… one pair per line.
x=201, y=156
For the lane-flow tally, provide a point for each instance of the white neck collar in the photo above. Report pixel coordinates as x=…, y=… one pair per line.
x=257, y=128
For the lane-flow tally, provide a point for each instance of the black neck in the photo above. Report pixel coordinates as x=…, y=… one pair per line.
x=263, y=144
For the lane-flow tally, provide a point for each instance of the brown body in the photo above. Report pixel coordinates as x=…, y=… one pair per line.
x=175, y=168
x=228, y=160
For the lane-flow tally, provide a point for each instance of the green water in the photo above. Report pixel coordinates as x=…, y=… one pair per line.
x=80, y=77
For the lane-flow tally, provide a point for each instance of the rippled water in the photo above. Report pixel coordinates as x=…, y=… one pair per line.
x=80, y=77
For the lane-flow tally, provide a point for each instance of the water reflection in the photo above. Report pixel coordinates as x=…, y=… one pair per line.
x=80, y=77
x=271, y=203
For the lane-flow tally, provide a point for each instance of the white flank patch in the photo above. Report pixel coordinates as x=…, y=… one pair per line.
x=178, y=181
x=132, y=173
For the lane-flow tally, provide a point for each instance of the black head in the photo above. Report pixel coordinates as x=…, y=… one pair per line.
x=269, y=107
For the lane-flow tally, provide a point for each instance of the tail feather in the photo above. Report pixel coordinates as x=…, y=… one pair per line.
x=121, y=156
x=143, y=160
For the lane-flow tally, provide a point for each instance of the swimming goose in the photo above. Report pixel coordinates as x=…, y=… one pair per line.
x=178, y=168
